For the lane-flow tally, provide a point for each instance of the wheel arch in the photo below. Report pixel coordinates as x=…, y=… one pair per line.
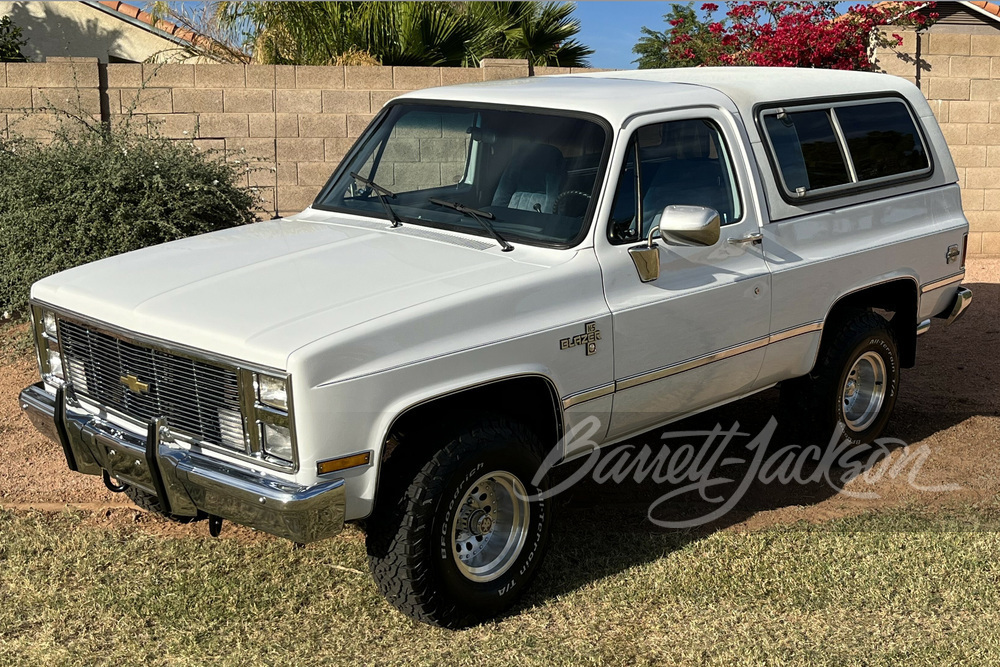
x=900, y=295
x=531, y=398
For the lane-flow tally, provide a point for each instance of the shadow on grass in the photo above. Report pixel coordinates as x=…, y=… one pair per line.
x=601, y=530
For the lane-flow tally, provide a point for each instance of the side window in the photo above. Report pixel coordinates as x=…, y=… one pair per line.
x=679, y=162
x=806, y=147
x=876, y=140
x=882, y=139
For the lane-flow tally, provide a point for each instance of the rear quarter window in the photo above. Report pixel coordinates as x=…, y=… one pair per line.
x=882, y=140
x=829, y=148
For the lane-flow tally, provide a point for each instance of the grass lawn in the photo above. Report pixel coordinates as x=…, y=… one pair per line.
x=914, y=586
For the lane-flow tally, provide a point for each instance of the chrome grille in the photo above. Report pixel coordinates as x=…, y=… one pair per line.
x=197, y=399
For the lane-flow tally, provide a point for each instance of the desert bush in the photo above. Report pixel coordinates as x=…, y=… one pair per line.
x=96, y=190
x=11, y=42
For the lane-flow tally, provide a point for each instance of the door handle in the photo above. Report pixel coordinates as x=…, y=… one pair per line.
x=749, y=238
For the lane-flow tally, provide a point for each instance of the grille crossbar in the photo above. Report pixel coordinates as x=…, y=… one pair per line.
x=197, y=399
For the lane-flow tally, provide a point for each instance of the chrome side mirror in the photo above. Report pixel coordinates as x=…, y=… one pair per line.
x=689, y=225
x=679, y=225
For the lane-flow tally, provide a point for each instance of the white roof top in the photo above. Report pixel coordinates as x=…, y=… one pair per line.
x=621, y=94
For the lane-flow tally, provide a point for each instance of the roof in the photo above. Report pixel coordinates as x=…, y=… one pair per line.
x=987, y=7
x=619, y=95
x=142, y=19
x=750, y=86
x=990, y=10
x=614, y=99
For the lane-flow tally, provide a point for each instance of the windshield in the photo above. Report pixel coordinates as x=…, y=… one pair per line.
x=535, y=172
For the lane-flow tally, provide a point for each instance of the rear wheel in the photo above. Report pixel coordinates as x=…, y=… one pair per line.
x=853, y=385
x=456, y=540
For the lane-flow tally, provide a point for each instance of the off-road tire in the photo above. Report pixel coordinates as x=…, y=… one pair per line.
x=814, y=402
x=410, y=540
x=151, y=503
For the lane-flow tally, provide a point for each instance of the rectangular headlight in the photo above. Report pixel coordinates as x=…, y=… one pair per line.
x=54, y=359
x=272, y=391
x=49, y=324
x=276, y=441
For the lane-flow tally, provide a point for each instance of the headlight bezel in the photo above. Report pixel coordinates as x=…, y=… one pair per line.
x=263, y=411
x=46, y=344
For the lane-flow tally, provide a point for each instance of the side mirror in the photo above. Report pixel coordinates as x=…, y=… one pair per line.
x=679, y=225
x=690, y=225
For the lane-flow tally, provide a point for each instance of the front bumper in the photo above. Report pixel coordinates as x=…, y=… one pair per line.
x=185, y=481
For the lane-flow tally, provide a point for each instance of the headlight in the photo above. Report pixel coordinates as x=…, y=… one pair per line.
x=276, y=441
x=55, y=363
x=272, y=438
x=47, y=343
x=49, y=324
x=272, y=391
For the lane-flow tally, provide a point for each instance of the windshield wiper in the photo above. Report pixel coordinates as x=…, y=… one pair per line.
x=480, y=216
x=382, y=195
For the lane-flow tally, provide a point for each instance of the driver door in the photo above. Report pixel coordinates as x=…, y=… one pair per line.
x=695, y=335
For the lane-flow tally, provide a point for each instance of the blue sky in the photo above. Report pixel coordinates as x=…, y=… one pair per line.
x=612, y=29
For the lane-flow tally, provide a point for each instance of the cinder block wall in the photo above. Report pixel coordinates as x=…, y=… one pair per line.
x=959, y=73
x=291, y=125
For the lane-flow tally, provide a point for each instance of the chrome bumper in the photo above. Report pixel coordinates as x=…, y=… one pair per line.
x=187, y=482
x=963, y=299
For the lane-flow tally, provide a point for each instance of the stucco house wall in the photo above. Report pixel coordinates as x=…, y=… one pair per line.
x=106, y=31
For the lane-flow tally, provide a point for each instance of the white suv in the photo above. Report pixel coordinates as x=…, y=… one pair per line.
x=491, y=265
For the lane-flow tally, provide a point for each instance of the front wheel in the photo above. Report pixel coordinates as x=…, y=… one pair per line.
x=458, y=540
x=854, y=384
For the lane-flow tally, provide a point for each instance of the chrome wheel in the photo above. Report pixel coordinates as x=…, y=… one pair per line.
x=864, y=391
x=490, y=528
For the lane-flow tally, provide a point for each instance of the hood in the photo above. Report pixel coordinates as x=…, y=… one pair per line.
x=261, y=291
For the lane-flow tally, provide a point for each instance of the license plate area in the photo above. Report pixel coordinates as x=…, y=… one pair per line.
x=122, y=455
x=125, y=464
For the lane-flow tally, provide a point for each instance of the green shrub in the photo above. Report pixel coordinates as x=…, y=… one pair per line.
x=11, y=42
x=96, y=191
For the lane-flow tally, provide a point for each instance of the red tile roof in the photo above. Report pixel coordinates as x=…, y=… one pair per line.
x=165, y=26
x=991, y=7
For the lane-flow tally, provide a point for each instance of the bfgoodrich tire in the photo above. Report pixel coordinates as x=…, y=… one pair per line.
x=456, y=541
x=853, y=386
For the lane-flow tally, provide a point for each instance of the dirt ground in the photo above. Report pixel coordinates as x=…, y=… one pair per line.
x=949, y=402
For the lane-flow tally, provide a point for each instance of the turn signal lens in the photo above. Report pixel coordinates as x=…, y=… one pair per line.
x=344, y=462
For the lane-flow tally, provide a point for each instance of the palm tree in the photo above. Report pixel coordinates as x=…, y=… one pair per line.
x=543, y=36
x=453, y=34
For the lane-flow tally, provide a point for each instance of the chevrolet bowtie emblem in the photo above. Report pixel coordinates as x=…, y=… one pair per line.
x=134, y=385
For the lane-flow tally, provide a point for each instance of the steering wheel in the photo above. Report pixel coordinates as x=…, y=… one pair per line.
x=567, y=193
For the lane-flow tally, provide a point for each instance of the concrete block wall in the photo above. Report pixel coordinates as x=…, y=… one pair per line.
x=959, y=73
x=288, y=126
x=425, y=151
